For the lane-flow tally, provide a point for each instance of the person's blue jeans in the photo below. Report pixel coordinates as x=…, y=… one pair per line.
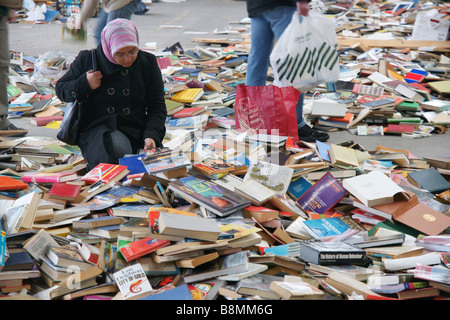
x=265, y=29
x=105, y=17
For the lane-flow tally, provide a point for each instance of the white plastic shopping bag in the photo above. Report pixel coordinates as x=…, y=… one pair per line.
x=306, y=55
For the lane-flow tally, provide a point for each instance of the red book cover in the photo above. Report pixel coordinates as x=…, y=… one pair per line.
x=398, y=128
x=49, y=177
x=164, y=62
x=43, y=121
x=139, y=248
x=64, y=191
x=103, y=171
x=9, y=183
x=188, y=112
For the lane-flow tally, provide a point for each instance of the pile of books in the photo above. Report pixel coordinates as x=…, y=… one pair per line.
x=222, y=214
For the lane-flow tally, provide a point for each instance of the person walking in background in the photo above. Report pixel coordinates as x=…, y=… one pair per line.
x=268, y=20
x=124, y=101
x=109, y=10
x=6, y=15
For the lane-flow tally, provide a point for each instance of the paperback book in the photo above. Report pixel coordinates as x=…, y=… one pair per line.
x=215, y=198
x=331, y=253
x=322, y=195
x=164, y=162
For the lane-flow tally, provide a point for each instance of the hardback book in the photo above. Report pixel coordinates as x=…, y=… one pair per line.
x=188, y=226
x=298, y=187
x=188, y=95
x=429, y=179
x=322, y=195
x=188, y=112
x=225, y=265
x=215, y=198
x=296, y=290
x=374, y=188
x=9, y=183
x=104, y=172
x=399, y=129
x=64, y=191
x=164, y=162
x=335, y=228
x=67, y=257
x=142, y=247
x=49, y=177
x=96, y=222
x=19, y=260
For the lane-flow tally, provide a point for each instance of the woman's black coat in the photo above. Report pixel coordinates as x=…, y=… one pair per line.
x=129, y=99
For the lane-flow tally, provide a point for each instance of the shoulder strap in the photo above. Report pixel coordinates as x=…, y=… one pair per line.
x=94, y=59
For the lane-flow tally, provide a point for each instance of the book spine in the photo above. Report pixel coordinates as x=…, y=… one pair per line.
x=342, y=257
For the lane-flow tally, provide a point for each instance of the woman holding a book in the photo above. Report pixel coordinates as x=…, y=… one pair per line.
x=123, y=99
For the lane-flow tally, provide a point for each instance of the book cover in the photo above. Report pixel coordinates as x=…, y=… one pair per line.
x=3, y=248
x=212, y=166
x=188, y=112
x=272, y=176
x=223, y=122
x=298, y=187
x=331, y=253
x=322, y=195
x=163, y=162
x=9, y=183
x=49, y=177
x=188, y=95
x=104, y=172
x=64, y=191
x=133, y=282
x=219, y=200
x=136, y=249
x=188, y=122
x=336, y=228
x=173, y=106
x=429, y=179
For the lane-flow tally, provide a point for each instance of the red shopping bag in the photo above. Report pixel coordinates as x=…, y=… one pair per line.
x=267, y=109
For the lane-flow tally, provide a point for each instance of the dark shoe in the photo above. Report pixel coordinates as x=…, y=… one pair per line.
x=308, y=134
x=13, y=131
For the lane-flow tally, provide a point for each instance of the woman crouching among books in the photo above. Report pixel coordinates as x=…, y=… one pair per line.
x=123, y=98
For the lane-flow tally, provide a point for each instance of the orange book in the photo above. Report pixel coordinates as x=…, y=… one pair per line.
x=9, y=183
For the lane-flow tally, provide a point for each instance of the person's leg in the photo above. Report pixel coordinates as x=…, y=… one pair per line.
x=5, y=124
x=261, y=46
x=125, y=12
x=119, y=144
x=102, y=18
x=4, y=66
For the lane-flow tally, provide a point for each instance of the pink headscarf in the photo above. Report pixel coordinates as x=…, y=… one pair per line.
x=118, y=34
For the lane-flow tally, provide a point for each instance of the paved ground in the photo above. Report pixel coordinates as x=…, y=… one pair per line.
x=167, y=23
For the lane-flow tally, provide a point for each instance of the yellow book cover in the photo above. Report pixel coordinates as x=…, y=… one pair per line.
x=188, y=95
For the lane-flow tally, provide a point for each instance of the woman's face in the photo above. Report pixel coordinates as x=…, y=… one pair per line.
x=126, y=56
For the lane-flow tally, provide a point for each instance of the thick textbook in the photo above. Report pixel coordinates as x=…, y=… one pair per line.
x=215, y=198
x=9, y=183
x=331, y=253
x=64, y=191
x=374, y=188
x=322, y=195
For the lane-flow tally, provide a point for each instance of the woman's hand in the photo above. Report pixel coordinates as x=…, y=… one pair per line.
x=149, y=143
x=302, y=8
x=94, y=79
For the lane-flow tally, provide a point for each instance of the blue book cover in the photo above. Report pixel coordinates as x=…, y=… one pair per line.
x=2, y=241
x=332, y=227
x=133, y=163
x=298, y=187
x=323, y=195
x=178, y=293
x=323, y=148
